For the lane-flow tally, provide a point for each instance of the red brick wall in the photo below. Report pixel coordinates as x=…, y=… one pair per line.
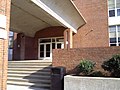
x=30, y=48
x=4, y=10
x=23, y=47
x=71, y=58
x=95, y=32
x=55, y=31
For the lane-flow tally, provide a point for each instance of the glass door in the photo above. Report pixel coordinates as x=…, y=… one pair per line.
x=46, y=45
x=45, y=51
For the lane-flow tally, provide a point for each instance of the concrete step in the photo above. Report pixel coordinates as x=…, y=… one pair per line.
x=31, y=80
x=20, y=76
x=30, y=72
x=28, y=84
x=17, y=87
x=29, y=69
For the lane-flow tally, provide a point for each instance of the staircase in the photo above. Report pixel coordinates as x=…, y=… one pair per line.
x=31, y=74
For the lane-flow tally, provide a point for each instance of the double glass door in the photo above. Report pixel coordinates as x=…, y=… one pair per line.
x=46, y=46
x=45, y=51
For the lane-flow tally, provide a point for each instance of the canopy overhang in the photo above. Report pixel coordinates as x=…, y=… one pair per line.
x=29, y=16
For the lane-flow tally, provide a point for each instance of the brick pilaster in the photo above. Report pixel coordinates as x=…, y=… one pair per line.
x=68, y=39
x=4, y=10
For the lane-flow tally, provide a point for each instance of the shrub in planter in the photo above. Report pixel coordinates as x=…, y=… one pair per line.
x=112, y=66
x=97, y=74
x=85, y=67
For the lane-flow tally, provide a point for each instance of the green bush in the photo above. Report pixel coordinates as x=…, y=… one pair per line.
x=85, y=67
x=112, y=65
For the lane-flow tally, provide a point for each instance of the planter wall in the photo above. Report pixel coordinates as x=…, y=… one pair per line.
x=91, y=83
x=71, y=58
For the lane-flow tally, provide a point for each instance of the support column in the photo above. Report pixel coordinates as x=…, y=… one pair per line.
x=4, y=29
x=68, y=39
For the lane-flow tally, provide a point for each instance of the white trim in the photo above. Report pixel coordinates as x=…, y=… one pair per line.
x=52, y=13
x=116, y=32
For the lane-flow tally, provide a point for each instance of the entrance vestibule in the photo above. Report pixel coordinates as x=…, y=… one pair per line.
x=47, y=44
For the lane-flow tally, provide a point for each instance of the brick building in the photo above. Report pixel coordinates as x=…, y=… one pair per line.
x=43, y=26
x=88, y=34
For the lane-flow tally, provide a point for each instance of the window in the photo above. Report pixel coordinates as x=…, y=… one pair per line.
x=11, y=40
x=118, y=12
x=114, y=8
x=111, y=13
x=114, y=35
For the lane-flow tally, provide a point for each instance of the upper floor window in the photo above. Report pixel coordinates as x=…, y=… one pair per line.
x=114, y=35
x=114, y=8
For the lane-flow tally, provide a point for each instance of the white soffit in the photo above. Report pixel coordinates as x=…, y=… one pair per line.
x=64, y=11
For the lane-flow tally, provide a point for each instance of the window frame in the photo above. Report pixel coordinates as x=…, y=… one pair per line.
x=116, y=10
x=117, y=36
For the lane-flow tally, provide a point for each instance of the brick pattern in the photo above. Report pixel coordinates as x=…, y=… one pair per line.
x=95, y=32
x=23, y=47
x=4, y=10
x=71, y=58
x=55, y=31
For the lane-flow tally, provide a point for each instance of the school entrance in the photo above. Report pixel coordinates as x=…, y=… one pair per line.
x=47, y=44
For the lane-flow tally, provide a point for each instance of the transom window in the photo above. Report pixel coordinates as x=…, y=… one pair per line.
x=114, y=8
x=114, y=35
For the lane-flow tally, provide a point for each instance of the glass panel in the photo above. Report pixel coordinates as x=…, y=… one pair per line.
x=47, y=54
x=47, y=47
x=118, y=27
x=53, y=45
x=59, y=40
x=112, y=40
x=59, y=46
x=53, y=40
x=45, y=40
x=47, y=50
x=111, y=4
x=117, y=3
x=118, y=34
x=119, y=39
x=42, y=54
x=112, y=28
x=41, y=47
x=112, y=31
x=10, y=42
x=113, y=44
x=41, y=50
x=118, y=12
x=111, y=13
x=10, y=33
x=112, y=34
